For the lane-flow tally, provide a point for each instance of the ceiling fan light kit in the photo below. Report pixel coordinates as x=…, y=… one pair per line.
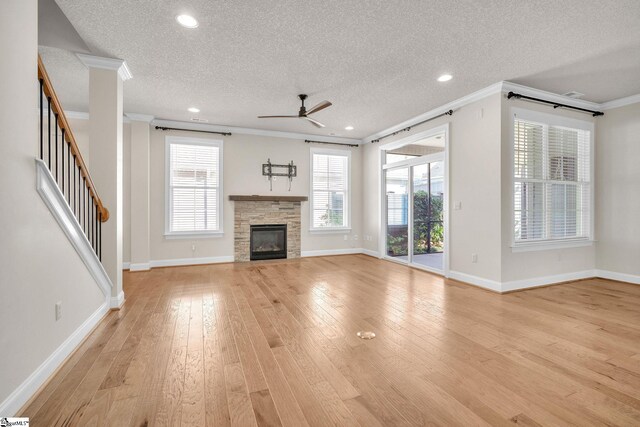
x=303, y=113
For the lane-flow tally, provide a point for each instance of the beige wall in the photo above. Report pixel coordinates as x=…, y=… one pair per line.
x=618, y=190
x=474, y=163
x=80, y=129
x=534, y=264
x=38, y=265
x=243, y=159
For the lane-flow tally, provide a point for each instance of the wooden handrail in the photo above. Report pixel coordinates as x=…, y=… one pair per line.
x=70, y=139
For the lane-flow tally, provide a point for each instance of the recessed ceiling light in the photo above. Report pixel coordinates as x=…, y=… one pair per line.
x=187, y=21
x=445, y=78
x=349, y=128
x=193, y=110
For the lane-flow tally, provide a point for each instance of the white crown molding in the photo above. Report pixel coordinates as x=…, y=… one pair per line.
x=504, y=87
x=621, y=102
x=135, y=117
x=252, y=131
x=119, y=65
x=21, y=395
x=57, y=204
x=458, y=103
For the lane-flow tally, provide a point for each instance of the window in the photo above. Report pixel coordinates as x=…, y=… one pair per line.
x=330, y=189
x=552, y=179
x=194, y=186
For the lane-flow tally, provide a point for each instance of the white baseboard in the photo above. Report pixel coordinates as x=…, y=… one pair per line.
x=190, y=261
x=328, y=252
x=143, y=266
x=30, y=386
x=622, y=277
x=59, y=208
x=492, y=285
x=126, y=265
x=116, y=302
x=535, y=282
x=369, y=252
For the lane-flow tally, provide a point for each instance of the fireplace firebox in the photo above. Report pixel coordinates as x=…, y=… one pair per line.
x=268, y=241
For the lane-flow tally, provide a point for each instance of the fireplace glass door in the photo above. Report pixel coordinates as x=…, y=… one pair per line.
x=268, y=241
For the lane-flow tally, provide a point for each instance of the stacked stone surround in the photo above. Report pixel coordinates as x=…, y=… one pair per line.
x=248, y=213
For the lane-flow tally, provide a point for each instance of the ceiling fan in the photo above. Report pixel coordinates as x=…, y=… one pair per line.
x=303, y=113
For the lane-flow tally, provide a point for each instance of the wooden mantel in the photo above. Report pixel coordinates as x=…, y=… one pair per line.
x=256, y=198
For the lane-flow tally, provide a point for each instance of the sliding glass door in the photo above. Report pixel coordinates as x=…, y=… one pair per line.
x=428, y=219
x=397, y=203
x=414, y=208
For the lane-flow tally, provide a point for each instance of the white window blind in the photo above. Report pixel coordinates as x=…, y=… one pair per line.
x=194, y=186
x=329, y=190
x=552, y=182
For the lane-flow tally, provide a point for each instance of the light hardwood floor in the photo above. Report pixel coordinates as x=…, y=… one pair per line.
x=274, y=343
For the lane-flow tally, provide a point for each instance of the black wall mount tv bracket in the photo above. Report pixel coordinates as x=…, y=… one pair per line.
x=289, y=170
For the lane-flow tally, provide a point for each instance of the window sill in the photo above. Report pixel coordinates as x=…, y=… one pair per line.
x=551, y=245
x=342, y=230
x=194, y=235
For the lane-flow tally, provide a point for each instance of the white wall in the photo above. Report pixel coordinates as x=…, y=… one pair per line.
x=38, y=265
x=474, y=159
x=534, y=264
x=618, y=190
x=243, y=159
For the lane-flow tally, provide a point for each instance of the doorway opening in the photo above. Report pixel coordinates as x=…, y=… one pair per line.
x=415, y=185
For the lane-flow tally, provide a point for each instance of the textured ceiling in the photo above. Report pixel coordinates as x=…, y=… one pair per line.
x=376, y=61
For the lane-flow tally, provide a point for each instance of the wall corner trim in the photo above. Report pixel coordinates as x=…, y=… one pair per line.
x=29, y=387
x=57, y=204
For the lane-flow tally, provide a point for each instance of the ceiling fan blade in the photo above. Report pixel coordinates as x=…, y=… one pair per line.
x=314, y=122
x=321, y=106
x=277, y=117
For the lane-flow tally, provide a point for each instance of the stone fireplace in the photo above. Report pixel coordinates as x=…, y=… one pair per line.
x=264, y=212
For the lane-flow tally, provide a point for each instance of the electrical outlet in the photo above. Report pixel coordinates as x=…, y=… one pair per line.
x=457, y=206
x=346, y=237
x=193, y=248
x=474, y=257
x=58, y=310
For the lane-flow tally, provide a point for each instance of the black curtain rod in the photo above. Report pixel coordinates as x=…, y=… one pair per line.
x=555, y=104
x=408, y=128
x=194, y=130
x=311, y=141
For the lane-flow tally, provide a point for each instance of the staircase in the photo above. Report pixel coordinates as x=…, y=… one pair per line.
x=60, y=155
